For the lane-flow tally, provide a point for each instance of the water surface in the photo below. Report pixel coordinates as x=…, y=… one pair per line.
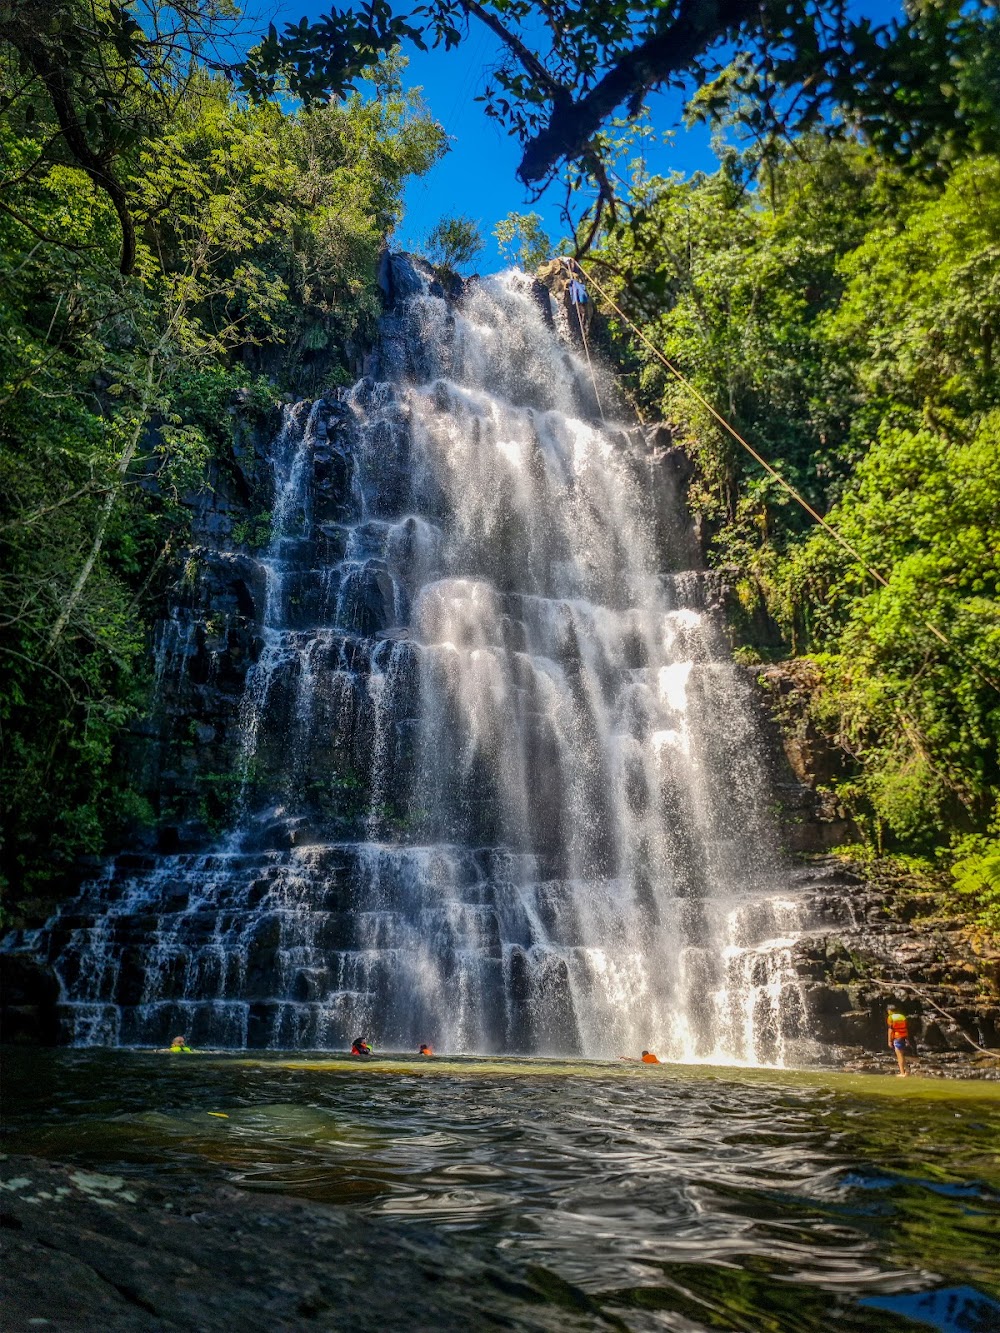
x=676, y=1197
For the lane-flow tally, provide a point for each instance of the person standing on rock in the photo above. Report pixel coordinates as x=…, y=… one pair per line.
x=898, y=1038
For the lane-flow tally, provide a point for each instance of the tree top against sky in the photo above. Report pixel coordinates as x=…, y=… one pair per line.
x=924, y=87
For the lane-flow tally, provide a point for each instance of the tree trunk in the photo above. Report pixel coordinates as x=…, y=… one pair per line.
x=107, y=508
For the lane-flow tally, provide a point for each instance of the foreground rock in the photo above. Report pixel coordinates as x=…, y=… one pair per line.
x=85, y=1251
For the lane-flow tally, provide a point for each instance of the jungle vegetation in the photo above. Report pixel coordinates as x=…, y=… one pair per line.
x=922, y=87
x=844, y=315
x=253, y=227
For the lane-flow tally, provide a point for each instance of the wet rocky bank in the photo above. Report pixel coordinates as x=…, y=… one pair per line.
x=86, y=1250
x=882, y=937
x=881, y=931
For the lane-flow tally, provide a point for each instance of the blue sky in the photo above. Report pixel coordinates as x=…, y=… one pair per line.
x=478, y=178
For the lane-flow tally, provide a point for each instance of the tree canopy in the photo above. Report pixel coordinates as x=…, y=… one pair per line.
x=924, y=87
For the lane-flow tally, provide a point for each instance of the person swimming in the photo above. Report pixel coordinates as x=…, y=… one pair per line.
x=647, y=1058
x=425, y=1050
x=360, y=1047
x=179, y=1046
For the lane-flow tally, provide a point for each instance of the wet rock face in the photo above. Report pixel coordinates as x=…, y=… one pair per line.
x=879, y=947
x=29, y=996
x=800, y=761
x=452, y=740
x=448, y=744
x=85, y=1250
x=787, y=686
x=670, y=470
x=189, y=751
x=332, y=473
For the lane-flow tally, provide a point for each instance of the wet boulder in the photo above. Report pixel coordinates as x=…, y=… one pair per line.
x=368, y=599
x=30, y=994
x=333, y=471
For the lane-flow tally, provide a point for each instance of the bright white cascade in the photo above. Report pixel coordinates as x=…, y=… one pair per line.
x=564, y=846
x=577, y=711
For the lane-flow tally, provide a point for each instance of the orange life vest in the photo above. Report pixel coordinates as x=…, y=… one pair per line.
x=648, y=1058
x=898, y=1030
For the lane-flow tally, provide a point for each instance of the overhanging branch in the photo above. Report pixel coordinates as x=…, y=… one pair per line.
x=573, y=124
x=56, y=80
x=533, y=66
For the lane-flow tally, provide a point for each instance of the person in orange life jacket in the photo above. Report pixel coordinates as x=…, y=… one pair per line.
x=360, y=1047
x=425, y=1050
x=647, y=1058
x=898, y=1038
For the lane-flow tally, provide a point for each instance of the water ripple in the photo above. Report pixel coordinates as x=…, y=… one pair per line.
x=684, y=1201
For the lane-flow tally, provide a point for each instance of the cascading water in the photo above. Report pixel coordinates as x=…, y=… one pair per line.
x=498, y=780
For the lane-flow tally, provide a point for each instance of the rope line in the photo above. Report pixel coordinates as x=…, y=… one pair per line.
x=773, y=472
x=586, y=348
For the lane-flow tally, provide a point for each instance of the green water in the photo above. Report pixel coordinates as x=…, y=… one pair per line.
x=677, y=1197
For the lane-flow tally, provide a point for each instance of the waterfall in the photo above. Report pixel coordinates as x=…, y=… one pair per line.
x=499, y=783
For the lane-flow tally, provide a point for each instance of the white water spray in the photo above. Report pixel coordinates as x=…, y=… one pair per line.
x=518, y=771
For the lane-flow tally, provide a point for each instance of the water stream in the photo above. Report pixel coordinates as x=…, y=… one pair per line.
x=670, y=1198
x=498, y=780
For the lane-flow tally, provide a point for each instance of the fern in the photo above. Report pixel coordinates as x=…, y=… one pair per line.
x=978, y=876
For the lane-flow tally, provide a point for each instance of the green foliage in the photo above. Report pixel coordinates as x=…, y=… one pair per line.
x=844, y=318
x=254, y=531
x=924, y=86
x=105, y=78
x=326, y=57
x=977, y=875
x=523, y=240
x=976, y=872
x=454, y=242
x=921, y=716
x=923, y=296
x=258, y=233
